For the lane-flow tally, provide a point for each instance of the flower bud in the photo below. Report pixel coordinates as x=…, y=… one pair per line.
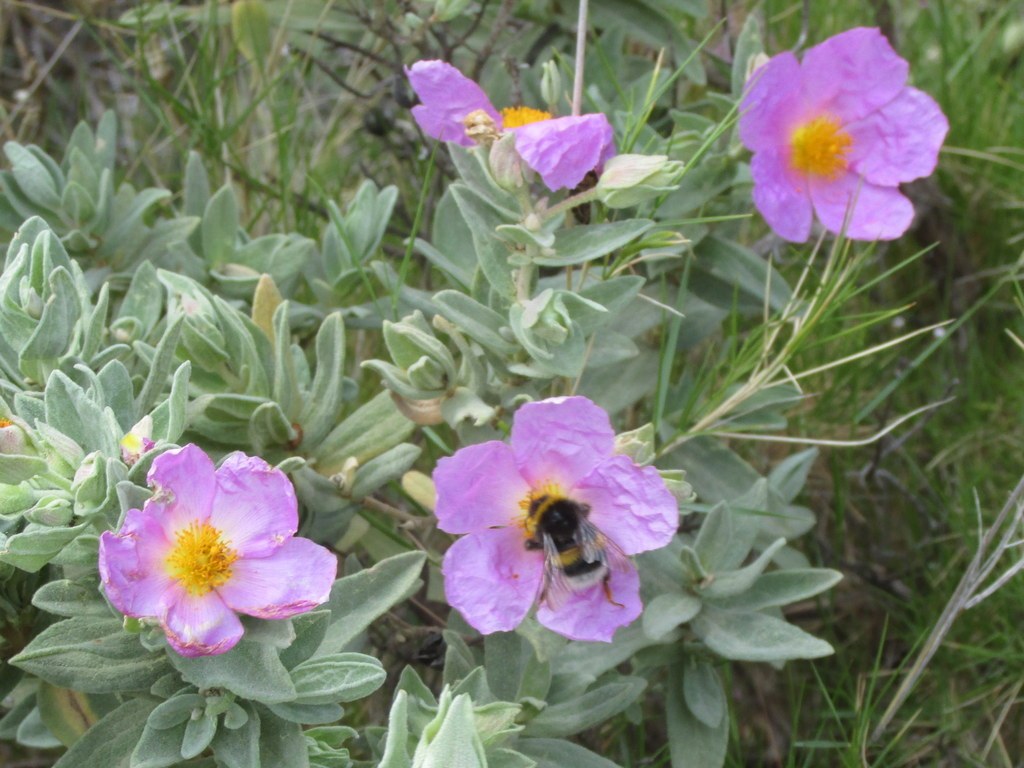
x=137, y=441
x=630, y=179
x=506, y=166
x=14, y=438
x=638, y=444
x=551, y=84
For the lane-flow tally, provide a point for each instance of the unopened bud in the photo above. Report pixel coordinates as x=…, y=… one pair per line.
x=630, y=179
x=506, y=166
x=551, y=85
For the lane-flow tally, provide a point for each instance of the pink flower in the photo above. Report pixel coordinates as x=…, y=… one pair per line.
x=561, y=149
x=840, y=129
x=516, y=504
x=210, y=543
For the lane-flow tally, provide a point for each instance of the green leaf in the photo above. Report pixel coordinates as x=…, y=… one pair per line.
x=480, y=323
x=456, y=743
x=110, y=742
x=251, y=670
x=326, y=394
x=67, y=714
x=358, y=599
x=373, y=428
x=750, y=636
x=15, y=469
x=281, y=743
x=33, y=177
x=159, y=748
x=337, y=677
x=396, y=747
x=667, y=611
x=37, y=545
x=198, y=735
x=729, y=583
x=702, y=691
x=239, y=747
x=586, y=243
x=250, y=29
x=92, y=655
x=556, y=753
x=590, y=709
x=482, y=219
x=782, y=588
x=383, y=469
x=71, y=598
x=692, y=744
x=220, y=227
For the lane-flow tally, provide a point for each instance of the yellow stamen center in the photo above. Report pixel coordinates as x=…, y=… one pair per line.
x=200, y=560
x=5, y=422
x=820, y=147
x=514, y=117
x=543, y=497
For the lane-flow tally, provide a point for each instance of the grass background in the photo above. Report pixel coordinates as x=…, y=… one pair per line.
x=292, y=129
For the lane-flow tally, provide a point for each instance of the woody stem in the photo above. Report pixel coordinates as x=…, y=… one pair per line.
x=581, y=48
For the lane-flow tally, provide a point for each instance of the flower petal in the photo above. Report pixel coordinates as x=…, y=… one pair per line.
x=183, y=487
x=255, y=507
x=772, y=104
x=899, y=142
x=295, y=578
x=629, y=504
x=131, y=565
x=781, y=196
x=564, y=149
x=478, y=488
x=880, y=213
x=447, y=96
x=590, y=615
x=492, y=579
x=199, y=626
x=853, y=73
x=560, y=440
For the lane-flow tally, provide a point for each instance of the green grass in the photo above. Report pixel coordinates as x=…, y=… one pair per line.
x=897, y=517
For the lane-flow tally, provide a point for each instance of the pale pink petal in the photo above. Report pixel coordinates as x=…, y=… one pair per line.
x=478, y=488
x=772, y=104
x=183, y=487
x=629, y=504
x=255, y=507
x=564, y=149
x=131, y=565
x=879, y=213
x=853, y=73
x=295, y=578
x=900, y=141
x=492, y=579
x=781, y=195
x=199, y=626
x=560, y=440
x=590, y=615
x=447, y=96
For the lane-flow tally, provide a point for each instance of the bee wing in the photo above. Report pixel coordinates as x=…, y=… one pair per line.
x=556, y=587
x=597, y=547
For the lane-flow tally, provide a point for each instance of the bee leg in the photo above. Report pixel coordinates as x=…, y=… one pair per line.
x=608, y=591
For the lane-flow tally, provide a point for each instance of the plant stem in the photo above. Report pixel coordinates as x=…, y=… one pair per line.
x=581, y=49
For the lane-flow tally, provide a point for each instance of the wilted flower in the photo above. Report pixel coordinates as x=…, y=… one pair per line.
x=840, y=129
x=552, y=517
x=561, y=149
x=210, y=544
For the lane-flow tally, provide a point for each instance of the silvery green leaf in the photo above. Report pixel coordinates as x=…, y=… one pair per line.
x=593, y=707
x=396, y=748
x=730, y=583
x=307, y=714
x=169, y=416
x=220, y=227
x=33, y=732
x=611, y=348
x=337, y=677
x=482, y=218
x=741, y=274
x=783, y=587
x=15, y=469
x=692, y=744
x=251, y=670
x=159, y=748
x=281, y=743
x=452, y=249
x=480, y=323
x=748, y=45
x=115, y=382
x=752, y=636
x=92, y=655
x=667, y=611
x=507, y=758
x=310, y=629
x=465, y=405
x=703, y=694
x=269, y=426
x=109, y=743
x=373, y=428
x=324, y=400
x=175, y=711
x=196, y=187
x=473, y=167
x=577, y=245
x=455, y=743
x=36, y=545
x=614, y=295
x=460, y=664
x=557, y=753
x=519, y=234
x=33, y=177
x=789, y=475
x=362, y=227
x=144, y=300
x=64, y=597
x=358, y=599
x=198, y=735
x=238, y=747
x=716, y=472
x=383, y=469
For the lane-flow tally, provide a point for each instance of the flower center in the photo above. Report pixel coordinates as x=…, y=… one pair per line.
x=515, y=117
x=200, y=560
x=538, y=501
x=820, y=147
x=5, y=422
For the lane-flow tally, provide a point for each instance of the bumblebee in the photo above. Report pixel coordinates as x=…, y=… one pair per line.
x=576, y=554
